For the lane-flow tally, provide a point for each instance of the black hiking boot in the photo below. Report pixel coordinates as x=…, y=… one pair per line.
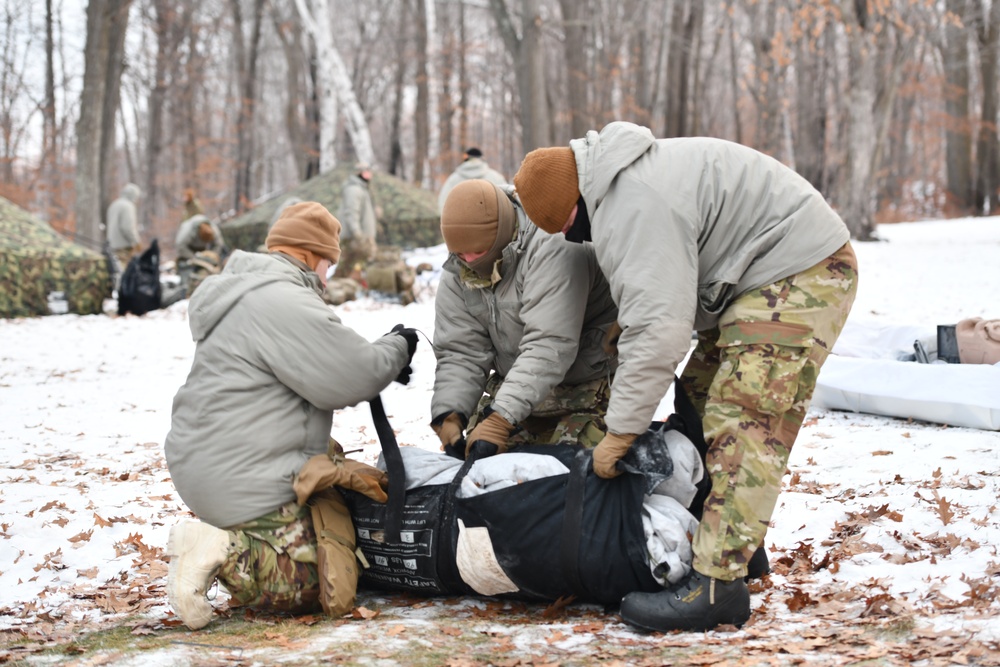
x=695, y=603
x=758, y=565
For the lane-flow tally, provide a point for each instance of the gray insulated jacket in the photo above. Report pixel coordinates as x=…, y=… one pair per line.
x=682, y=227
x=188, y=244
x=271, y=365
x=474, y=167
x=541, y=325
x=356, y=212
x=122, y=222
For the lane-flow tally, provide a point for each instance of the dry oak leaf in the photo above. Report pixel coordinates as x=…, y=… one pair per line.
x=363, y=613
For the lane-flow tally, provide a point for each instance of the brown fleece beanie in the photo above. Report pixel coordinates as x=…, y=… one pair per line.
x=548, y=186
x=307, y=225
x=476, y=215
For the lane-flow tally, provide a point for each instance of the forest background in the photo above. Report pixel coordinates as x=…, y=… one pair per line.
x=889, y=107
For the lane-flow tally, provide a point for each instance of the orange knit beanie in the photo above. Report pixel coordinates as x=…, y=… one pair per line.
x=307, y=225
x=548, y=186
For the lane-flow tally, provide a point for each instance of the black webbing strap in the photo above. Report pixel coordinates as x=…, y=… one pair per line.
x=573, y=521
x=394, y=468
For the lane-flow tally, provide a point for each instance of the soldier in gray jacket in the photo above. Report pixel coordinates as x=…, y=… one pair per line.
x=200, y=250
x=473, y=165
x=272, y=363
x=360, y=224
x=707, y=235
x=522, y=316
x=122, y=226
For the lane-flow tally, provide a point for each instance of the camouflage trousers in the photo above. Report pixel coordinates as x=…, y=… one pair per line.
x=570, y=414
x=274, y=564
x=355, y=254
x=752, y=378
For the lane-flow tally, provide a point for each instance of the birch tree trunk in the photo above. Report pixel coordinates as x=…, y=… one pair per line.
x=334, y=85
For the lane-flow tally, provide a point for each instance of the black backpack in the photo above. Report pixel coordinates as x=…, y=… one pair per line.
x=140, y=291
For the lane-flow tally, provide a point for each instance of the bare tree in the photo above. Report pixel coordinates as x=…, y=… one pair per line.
x=246, y=63
x=986, y=20
x=334, y=84
x=528, y=53
x=954, y=48
x=103, y=48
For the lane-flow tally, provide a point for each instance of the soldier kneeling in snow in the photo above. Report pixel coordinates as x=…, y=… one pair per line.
x=521, y=316
x=271, y=365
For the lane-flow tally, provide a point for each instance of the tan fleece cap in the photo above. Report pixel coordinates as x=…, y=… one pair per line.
x=307, y=225
x=548, y=186
x=471, y=218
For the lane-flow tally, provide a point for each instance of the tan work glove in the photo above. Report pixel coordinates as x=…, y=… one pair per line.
x=449, y=431
x=609, y=451
x=321, y=472
x=494, y=430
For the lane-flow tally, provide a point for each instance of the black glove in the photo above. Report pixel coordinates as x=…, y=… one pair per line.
x=456, y=449
x=411, y=346
x=480, y=449
x=411, y=338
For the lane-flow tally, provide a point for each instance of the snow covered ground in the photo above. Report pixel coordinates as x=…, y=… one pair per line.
x=879, y=517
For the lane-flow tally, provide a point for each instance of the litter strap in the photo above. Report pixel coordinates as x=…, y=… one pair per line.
x=573, y=521
x=394, y=468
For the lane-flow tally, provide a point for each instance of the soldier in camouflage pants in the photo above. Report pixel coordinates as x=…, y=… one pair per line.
x=272, y=562
x=752, y=378
x=570, y=414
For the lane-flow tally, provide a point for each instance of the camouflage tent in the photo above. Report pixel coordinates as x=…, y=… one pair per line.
x=409, y=214
x=38, y=265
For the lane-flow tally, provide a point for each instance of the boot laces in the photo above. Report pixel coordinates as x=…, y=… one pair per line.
x=689, y=584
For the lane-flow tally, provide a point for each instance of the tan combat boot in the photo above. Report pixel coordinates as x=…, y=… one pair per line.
x=196, y=551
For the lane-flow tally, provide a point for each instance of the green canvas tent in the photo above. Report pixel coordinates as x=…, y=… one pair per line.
x=38, y=264
x=409, y=214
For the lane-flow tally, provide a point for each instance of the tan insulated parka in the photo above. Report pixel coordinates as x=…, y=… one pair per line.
x=681, y=228
x=271, y=365
x=541, y=325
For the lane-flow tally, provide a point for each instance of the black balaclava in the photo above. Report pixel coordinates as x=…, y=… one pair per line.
x=580, y=231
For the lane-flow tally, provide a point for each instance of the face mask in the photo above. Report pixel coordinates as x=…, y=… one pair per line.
x=580, y=230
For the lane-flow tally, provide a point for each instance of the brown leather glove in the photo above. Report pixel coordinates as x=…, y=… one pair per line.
x=494, y=429
x=449, y=430
x=609, y=451
x=321, y=472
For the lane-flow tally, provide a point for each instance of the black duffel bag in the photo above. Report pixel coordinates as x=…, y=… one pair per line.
x=573, y=534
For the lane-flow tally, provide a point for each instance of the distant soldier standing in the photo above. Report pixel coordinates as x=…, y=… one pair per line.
x=473, y=165
x=357, y=215
x=123, y=226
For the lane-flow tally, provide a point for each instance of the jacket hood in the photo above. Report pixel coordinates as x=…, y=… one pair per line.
x=474, y=167
x=131, y=192
x=601, y=155
x=244, y=272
